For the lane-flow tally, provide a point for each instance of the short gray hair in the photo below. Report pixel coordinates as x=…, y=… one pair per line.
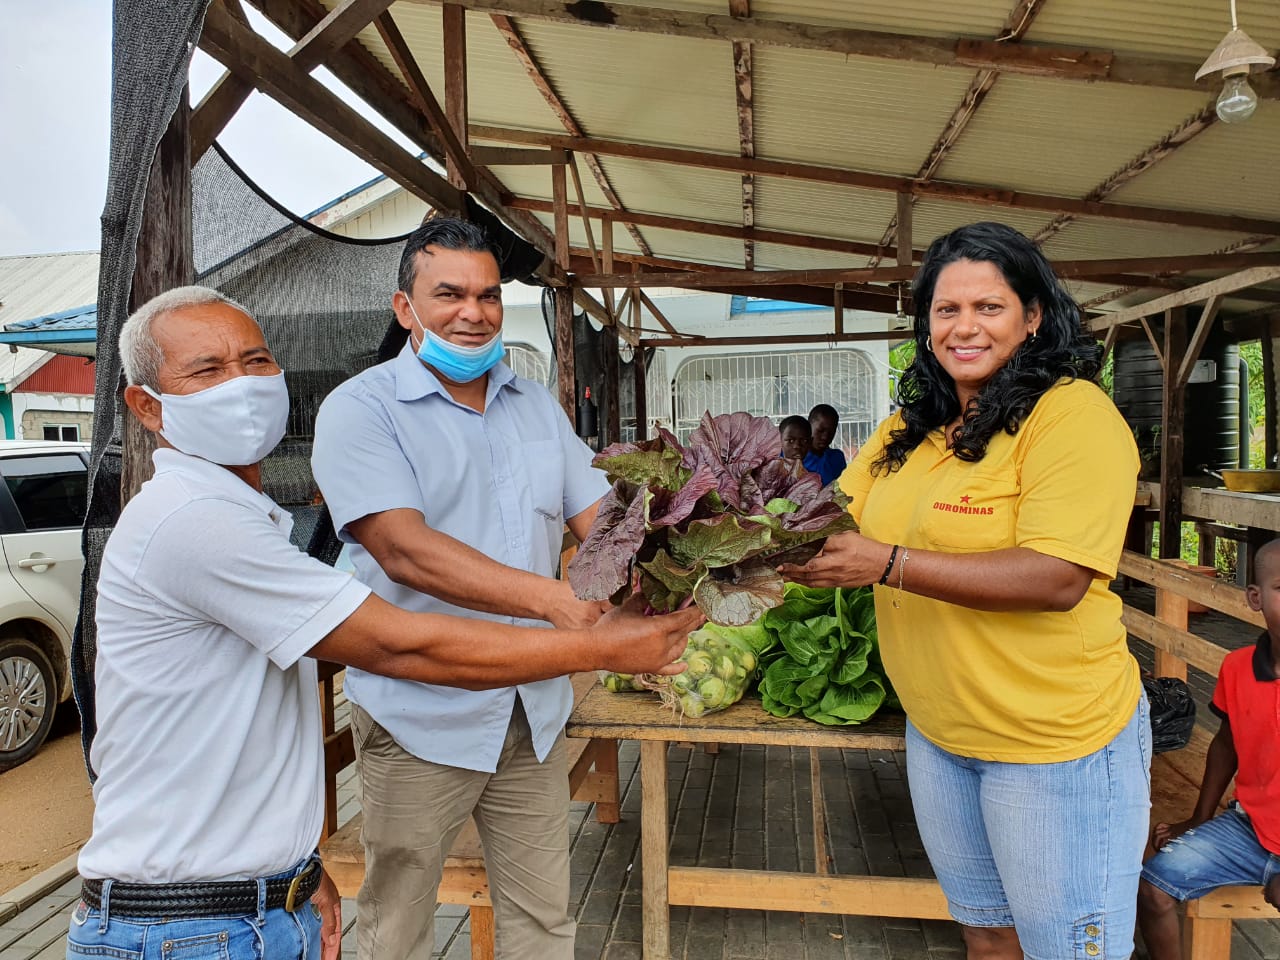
x=139, y=352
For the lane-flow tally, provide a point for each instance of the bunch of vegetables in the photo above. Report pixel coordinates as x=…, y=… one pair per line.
x=825, y=663
x=709, y=521
x=816, y=655
x=721, y=663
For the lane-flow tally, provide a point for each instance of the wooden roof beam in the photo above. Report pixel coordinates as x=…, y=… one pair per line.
x=745, y=96
x=455, y=152
x=515, y=41
x=386, y=93
x=1267, y=268
x=1197, y=294
x=454, y=41
x=937, y=189
x=215, y=110
x=255, y=60
x=338, y=28
x=1028, y=59
x=1015, y=27
x=711, y=229
x=1131, y=284
x=833, y=338
x=1184, y=134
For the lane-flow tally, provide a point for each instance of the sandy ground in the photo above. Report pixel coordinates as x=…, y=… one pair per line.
x=46, y=808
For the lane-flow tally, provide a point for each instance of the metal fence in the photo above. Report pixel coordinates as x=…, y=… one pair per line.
x=777, y=385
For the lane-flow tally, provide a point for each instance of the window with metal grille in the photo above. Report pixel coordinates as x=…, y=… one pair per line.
x=778, y=385
x=530, y=363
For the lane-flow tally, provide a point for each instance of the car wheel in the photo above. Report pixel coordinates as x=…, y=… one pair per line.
x=28, y=699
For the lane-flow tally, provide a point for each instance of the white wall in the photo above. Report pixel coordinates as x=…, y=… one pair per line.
x=32, y=410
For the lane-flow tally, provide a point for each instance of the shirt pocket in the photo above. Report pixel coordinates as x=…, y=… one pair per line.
x=972, y=513
x=544, y=463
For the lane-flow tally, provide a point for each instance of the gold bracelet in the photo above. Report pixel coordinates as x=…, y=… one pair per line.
x=902, y=569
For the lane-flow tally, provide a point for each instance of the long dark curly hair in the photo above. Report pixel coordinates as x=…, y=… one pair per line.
x=1061, y=348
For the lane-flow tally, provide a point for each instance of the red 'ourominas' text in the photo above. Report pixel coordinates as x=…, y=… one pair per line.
x=960, y=508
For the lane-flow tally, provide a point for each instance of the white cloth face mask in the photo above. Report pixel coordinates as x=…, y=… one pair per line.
x=235, y=424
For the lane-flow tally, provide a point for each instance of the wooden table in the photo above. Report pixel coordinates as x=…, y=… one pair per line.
x=609, y=716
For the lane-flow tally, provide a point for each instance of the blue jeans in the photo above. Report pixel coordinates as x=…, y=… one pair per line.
x=1221, y=852
x=1051, y=849
x=265, y=935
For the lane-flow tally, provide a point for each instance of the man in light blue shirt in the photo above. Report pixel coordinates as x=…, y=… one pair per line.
x=452, y=479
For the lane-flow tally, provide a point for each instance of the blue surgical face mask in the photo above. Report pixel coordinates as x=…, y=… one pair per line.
x=455, y=363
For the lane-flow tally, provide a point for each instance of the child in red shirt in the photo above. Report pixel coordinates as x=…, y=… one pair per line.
x=1241, y=845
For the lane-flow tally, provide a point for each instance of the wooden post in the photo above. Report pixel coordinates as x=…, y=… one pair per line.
x=455, y=81
x=653, y=850
x=560, y=203
x=642, y=396
x=1172, y=425
x=566, y=378
x=164, y=261
x=837, y=302
x=1171, y=608
x=611, y=427
x=1269, y=421
x=606, y=262
x=904, y=230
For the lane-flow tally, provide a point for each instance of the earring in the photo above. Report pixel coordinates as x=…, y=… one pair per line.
x=1032, y=335
x=928, y=343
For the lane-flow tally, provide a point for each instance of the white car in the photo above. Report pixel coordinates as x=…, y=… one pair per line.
x=42, y=509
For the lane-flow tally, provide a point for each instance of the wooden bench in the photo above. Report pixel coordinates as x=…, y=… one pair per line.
x=593, y=778
x=1175, y=784
x=1176, y=776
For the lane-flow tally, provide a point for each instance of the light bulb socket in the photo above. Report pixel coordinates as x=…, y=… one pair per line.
x=1237, y=53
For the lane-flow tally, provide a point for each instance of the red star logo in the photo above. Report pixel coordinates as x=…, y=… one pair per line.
x=965, y=499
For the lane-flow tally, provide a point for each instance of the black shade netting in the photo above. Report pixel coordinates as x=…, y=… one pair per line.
x=323, y=300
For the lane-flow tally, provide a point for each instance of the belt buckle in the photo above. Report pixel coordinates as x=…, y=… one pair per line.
x=290, y=900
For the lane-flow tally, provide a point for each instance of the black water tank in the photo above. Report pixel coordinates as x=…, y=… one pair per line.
x=1212, y=435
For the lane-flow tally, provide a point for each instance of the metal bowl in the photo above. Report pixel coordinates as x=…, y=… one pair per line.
x=1252, y=481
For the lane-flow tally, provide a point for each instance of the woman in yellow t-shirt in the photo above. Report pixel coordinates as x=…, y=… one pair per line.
x=992, y=510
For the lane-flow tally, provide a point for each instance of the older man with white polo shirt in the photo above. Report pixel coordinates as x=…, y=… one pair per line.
x=453, y=480
x=209, y=800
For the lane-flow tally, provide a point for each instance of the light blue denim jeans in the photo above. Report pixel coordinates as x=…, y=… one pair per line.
x=1221, y=852
x=264, y=935
x=1051, y=849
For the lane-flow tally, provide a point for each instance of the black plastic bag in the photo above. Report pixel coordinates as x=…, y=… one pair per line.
x=1173, y=712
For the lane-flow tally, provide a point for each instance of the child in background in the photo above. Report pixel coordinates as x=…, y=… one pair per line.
x=796, y=437
x=1242, y=845
x=826, y=461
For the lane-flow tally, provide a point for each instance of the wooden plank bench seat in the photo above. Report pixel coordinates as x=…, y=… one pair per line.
x=1175, y=784
x=593, y=778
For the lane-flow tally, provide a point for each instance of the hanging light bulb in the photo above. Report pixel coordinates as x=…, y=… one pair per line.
x=1237, y=101
x=1234, y=58
x=901, y=321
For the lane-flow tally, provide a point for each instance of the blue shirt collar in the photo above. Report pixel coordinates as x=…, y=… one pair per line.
x=414, y=380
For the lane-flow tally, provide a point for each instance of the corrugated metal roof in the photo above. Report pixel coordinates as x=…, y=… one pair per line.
x=1168, y=28
x=1038, y=135
x=636, y=86
x=798, y=206
x=1092, y=240
x=1043, y=136
x=850, y=112
x=1234, y=167
x=32, y=286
